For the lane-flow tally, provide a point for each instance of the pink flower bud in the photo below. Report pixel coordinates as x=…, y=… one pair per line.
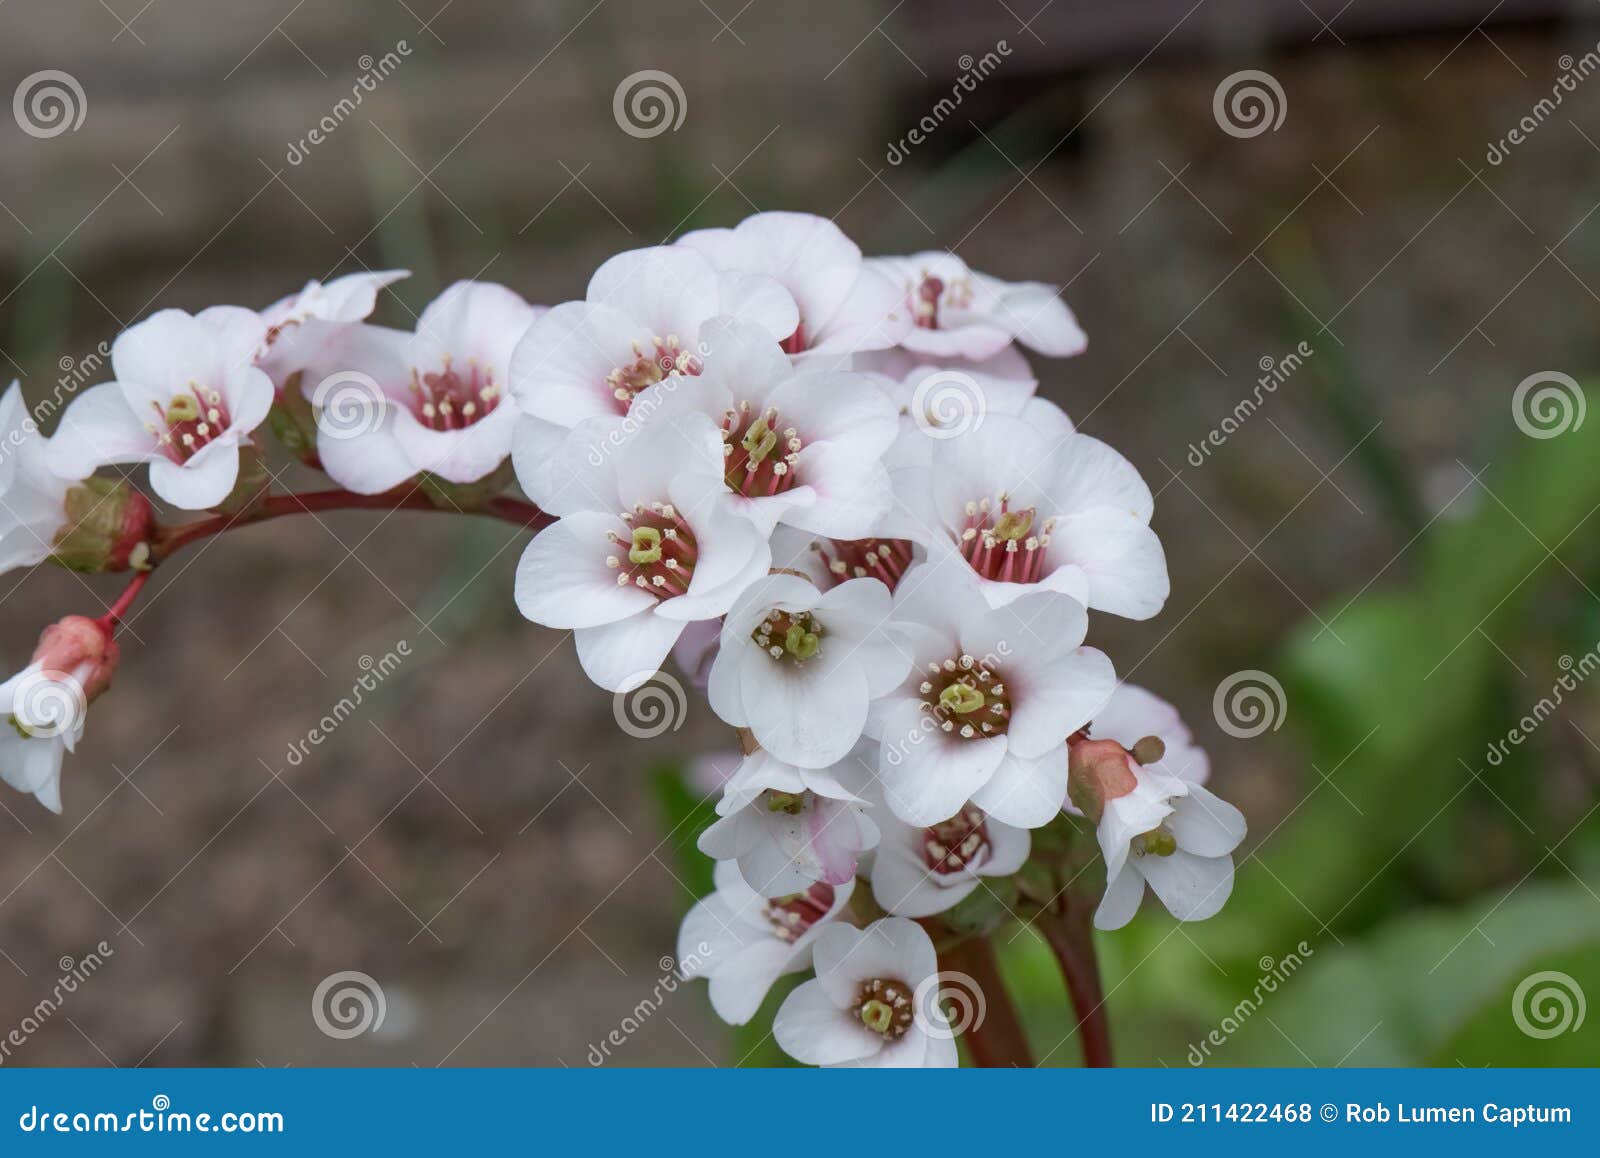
x=1098, y=771
x=82, y=648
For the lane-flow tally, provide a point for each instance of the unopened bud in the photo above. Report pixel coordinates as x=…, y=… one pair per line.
x=108, y=527
x=82, y=648
x=1148, y=750
x=1098, y=771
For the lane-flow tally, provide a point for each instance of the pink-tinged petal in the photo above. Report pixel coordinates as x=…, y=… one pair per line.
x=238, y=335
x=758, y=300
x=725, y=682
x=458, y=456
x=927, y=774
x=202, y=482
x=250, y=396
x=473, y=320
x=741, y=984
x=849, y=495
x=1008, y=849
x=159, y=357
x=813, y=717
x=1031, y=633
x=743, y=361
x=622, y=655
x=1121, y=560
x=1205, y=824
x=902, y=884
x=369, y=463
x=1193, y=888
x=1092, y=474
x=651, y=456
x=975, y=340
x=909, y=1053
x=376, y=353
x=1121, y=900
x=1052, y=702
x=669, y=289
x=559, y=368
x=812, y=1029
x=563, y=580
x=1040, y=320
x=871, y=317
x=98, y=428
x=1024, y=792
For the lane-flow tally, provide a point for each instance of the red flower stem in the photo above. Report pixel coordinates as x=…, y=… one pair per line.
x=112, y=619
x=1071, y=936
x=171, y=539
x=995, y=1040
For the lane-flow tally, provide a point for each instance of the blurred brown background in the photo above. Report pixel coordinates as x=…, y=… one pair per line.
x=481, y=838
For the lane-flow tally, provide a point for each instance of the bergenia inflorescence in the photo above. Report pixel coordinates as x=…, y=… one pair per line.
x=823, y=485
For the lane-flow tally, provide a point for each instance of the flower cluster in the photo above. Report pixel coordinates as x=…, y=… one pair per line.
x=738, y=450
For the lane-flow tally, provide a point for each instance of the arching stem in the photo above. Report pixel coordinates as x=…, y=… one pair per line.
x=1069, y=930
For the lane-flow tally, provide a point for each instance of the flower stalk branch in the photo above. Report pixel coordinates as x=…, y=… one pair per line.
x=995, y=1039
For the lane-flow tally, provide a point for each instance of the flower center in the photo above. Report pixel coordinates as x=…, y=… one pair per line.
x=883, y=559
x=1003, y=544
x=1158, y=841
x=793, y=635
x=958, y=843
x=663, y=358
x=759, y=452
x=967, y=697
x=659, y=555
x=792, y=915
x=884, y=1006
x=932, y=293
x=188, y=422
x=452, y=400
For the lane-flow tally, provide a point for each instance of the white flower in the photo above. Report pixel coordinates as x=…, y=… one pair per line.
x=742, y=942
x=790, y=827
x=971, y=315
x=648, y=540
x=986, y=711
x=1168, y=830
x=32, y=498
x=633, y=329
x=941, y=390
x=302, y=326
x=798, y=667
x=844, y=305
x=920, y=871
x=1032, y=510
x=42, y=716
x=394, y=404
x=870, y=1003
x=186, y=398
x=804, y=448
